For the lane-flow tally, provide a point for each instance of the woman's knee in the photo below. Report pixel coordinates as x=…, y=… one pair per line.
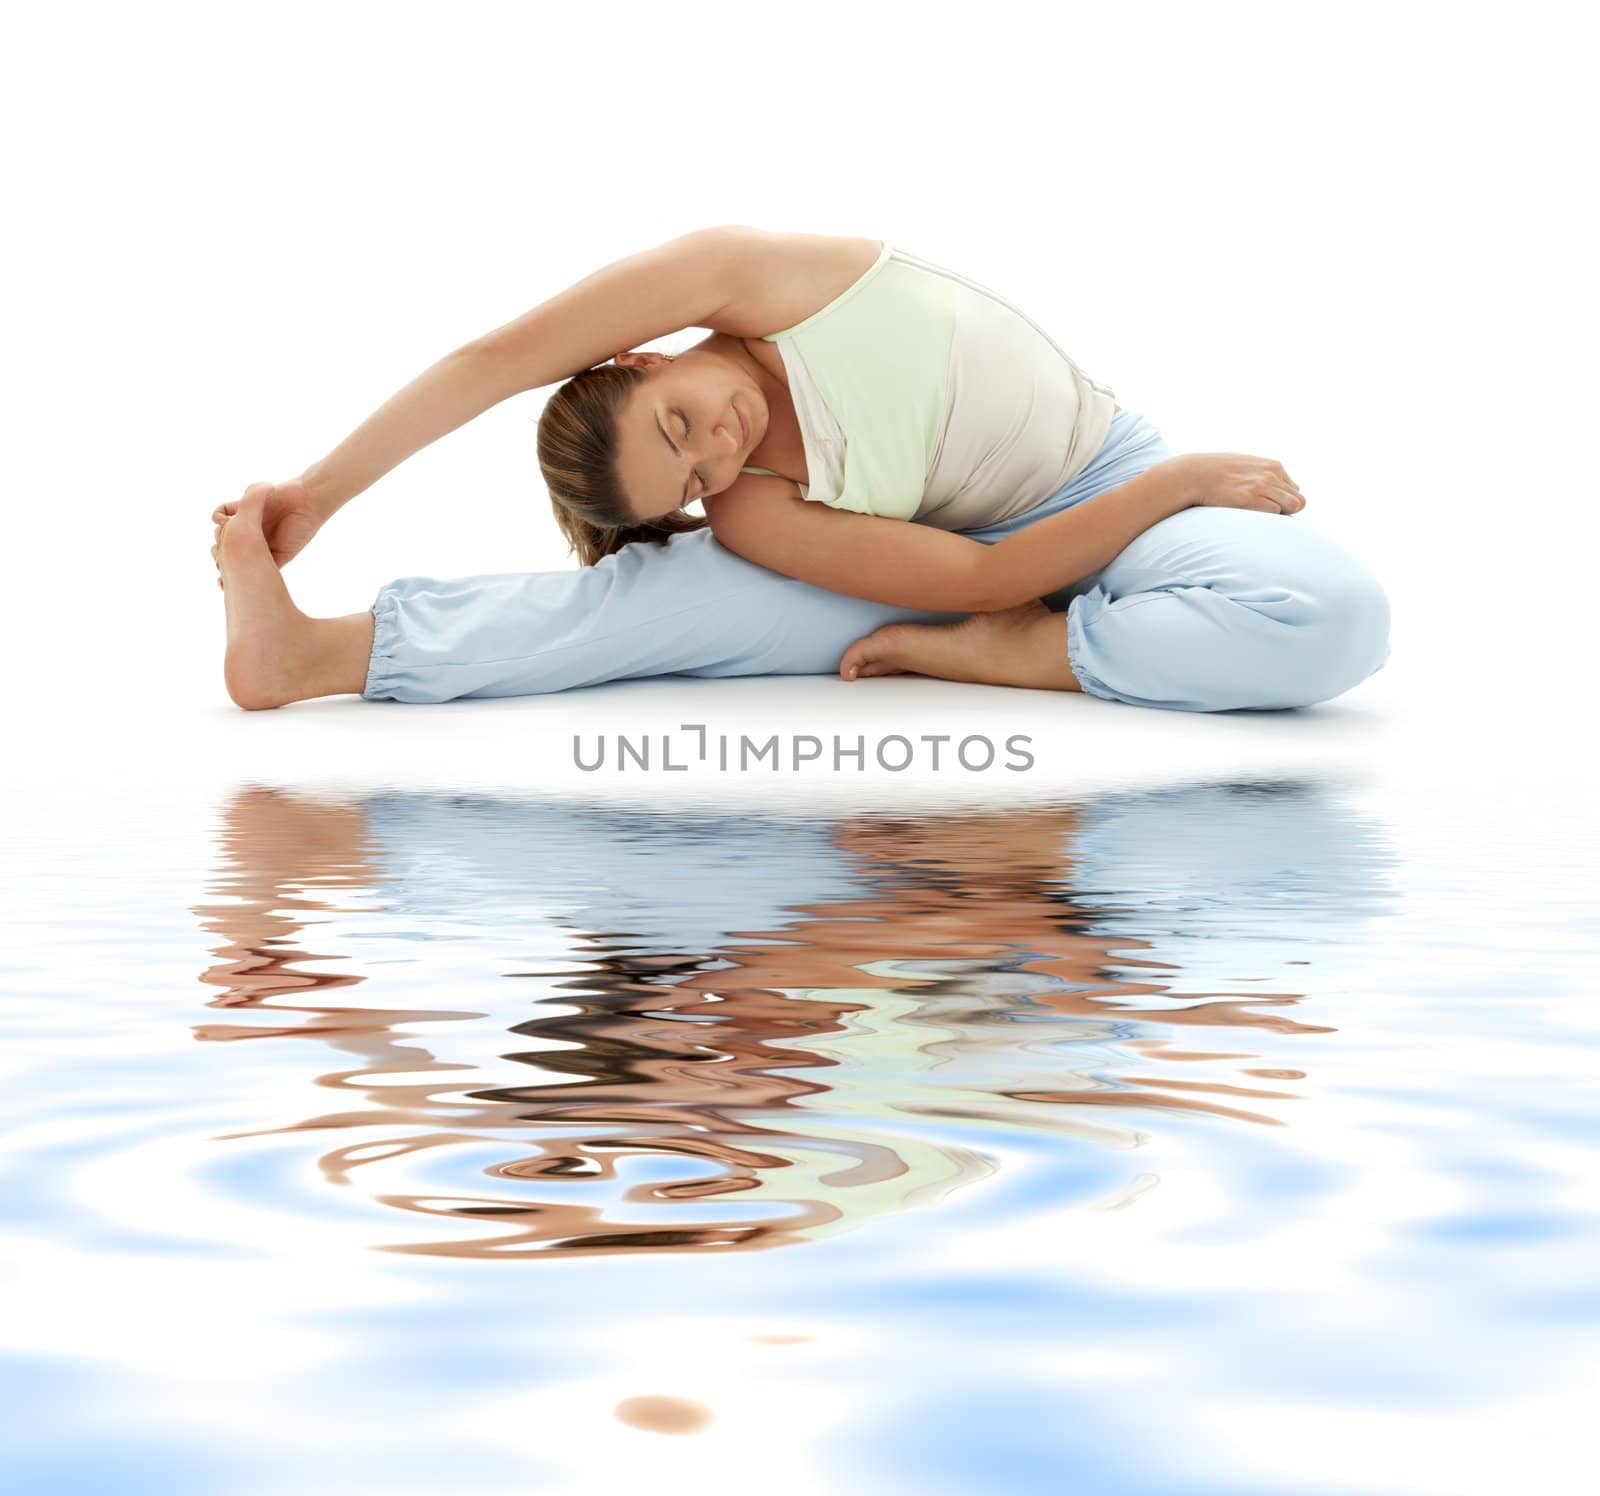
x=1219, y=649
x=1259, y=611
x=1334, y=611
x=1354, y=629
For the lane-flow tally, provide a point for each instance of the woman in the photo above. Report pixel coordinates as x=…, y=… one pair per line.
x=895, y=390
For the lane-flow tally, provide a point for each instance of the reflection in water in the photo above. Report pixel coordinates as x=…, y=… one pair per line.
x=665, y=1415
x=748, y=1033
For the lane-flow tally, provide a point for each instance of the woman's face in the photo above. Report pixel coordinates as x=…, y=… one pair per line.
x=679, y=433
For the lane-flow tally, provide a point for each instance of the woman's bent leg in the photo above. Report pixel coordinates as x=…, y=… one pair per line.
x=1211, y=610
x=1215, y=609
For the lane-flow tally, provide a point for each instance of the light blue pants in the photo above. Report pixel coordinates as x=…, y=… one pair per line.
x=1211, y=609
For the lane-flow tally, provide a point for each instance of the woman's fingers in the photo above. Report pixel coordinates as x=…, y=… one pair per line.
x=1284, y=490
x=222, y=511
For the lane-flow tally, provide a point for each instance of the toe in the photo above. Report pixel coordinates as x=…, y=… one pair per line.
x=869, y=655
x=866, y=658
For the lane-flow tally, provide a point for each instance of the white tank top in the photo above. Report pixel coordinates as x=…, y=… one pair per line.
x=923, y=395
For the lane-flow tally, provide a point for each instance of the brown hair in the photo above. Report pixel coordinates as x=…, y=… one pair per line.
x=579, y=457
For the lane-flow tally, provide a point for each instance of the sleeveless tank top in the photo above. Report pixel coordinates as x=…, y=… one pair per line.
x=922, y=395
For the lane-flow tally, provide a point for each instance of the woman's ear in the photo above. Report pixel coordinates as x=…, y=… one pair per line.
x=632, y=358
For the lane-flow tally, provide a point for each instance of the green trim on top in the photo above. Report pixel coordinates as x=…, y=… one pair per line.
x=838, y=301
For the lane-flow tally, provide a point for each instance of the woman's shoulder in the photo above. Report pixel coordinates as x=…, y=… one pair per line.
x=781, y=279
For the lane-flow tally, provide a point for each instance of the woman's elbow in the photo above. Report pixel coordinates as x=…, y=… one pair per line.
x=992, y=604
x=982, y=591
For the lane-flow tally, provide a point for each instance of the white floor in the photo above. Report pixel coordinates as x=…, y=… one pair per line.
x=1454, y=711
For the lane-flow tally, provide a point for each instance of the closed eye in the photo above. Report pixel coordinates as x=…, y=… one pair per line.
x=687, y=428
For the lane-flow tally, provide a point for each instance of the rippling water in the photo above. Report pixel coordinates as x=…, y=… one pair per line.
x=1209, y=1138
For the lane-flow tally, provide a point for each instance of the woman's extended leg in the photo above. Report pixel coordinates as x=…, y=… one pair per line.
x=689, y=608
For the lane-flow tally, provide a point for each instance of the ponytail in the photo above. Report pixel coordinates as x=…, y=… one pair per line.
x=589, y=542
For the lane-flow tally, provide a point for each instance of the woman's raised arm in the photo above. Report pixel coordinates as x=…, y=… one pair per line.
x=632, y=301
x=447, y=394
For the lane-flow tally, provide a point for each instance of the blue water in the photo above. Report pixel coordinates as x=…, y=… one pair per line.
x=1219, y=1137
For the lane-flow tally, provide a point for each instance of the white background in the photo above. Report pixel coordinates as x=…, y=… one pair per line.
x=1355, y=238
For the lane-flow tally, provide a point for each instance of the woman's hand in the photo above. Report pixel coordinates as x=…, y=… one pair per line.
x=289, y=519
x=1234, y=480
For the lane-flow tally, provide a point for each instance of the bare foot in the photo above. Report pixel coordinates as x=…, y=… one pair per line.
x=270, y=641
x=1024, y=646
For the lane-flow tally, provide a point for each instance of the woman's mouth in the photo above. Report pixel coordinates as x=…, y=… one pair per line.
x=742, y=424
